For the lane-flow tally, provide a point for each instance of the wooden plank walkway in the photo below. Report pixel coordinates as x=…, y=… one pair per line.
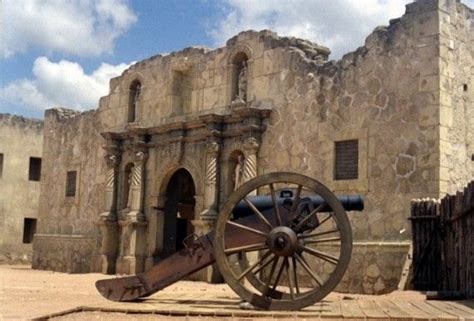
x=338, y=308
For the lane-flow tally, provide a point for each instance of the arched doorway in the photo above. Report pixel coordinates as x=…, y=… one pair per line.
x=179, y=211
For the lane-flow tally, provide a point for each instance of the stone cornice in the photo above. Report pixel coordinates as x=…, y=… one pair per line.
x=242, y=119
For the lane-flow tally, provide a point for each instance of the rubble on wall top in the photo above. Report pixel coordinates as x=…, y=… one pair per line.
x=63, y=113
x=271, y=39
x=312, y=53
x=20, y=120
x=188, y=51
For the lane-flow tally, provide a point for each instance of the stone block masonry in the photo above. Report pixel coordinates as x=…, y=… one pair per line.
x=208, y=120
x=21, y=142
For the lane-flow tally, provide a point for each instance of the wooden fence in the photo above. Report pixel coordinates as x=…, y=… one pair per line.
x=443, y=243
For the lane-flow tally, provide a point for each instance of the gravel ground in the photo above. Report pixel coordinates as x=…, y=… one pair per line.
x=27, y=293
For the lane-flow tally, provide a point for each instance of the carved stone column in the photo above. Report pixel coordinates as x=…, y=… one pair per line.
x=251, y=146
x=212, y=174
x=133, y=238
x=108, y=219
x=137, y=186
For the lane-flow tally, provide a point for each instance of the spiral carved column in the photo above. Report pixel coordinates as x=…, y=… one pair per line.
x=251, y=146
x=211, y=190
x=108, y=219
x=133, y=236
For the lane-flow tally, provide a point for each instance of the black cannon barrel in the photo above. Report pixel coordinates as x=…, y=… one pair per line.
x=263, y=203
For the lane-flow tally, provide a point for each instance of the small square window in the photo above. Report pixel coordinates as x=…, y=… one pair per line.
x=34, y=173
x=346, y=160
x=71, y=178
x=29, y=230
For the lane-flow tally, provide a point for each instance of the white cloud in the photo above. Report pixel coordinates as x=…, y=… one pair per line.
x=341, y=25
x=60, y=84
x=82, y=28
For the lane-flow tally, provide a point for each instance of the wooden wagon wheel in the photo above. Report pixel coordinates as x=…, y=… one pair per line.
x=289, y=243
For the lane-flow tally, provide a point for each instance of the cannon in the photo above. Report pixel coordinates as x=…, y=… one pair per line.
x=270, y=232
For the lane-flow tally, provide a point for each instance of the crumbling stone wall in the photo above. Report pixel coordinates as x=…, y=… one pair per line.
x=20, y=139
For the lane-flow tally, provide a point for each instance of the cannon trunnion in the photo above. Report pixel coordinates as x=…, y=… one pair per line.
x=263, y=246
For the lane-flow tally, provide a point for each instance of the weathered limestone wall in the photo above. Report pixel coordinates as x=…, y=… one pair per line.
x=398, y=95
x=67, y=233
x=20, y=139
x=456, y=96
x=207, y=73
x=385, y=94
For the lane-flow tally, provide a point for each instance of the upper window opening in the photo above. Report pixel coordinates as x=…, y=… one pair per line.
x=34, y=173
x=134, y=98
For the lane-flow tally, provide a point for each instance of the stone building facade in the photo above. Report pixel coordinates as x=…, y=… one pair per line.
x=21, y=142
x=177, y=132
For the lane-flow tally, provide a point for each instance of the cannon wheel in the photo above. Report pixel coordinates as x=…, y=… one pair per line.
x=278, y=288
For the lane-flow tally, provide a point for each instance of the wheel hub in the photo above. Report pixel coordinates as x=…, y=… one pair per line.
x=282, y=241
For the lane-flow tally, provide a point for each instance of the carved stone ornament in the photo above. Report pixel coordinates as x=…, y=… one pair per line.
x=140, y=157
x=112, y=160
x=212, y=148
x=251, y=145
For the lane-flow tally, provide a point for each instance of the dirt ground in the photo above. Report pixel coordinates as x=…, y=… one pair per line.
x=27, y=293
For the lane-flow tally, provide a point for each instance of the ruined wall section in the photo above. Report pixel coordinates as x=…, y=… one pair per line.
x=456, y=106
x=385, y=95
x=20, y=139
x=66, y=238
x=195, y=81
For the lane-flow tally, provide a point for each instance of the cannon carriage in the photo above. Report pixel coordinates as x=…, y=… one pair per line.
x=271, y=231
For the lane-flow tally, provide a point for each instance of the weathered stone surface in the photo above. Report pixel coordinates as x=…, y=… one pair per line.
x=373, y=271
x=399, y=96
x=20, y=139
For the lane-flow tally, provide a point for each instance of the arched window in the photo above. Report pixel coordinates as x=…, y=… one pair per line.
x=133, y=100
x=239, y=77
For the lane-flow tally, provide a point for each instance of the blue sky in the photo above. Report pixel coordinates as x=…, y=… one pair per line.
x=63, y=53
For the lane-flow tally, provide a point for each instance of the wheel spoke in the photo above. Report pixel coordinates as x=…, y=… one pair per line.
x=249, y=229
x=310, y=235
x=307, y=217
x=297, y=198
x=272, y=271
x=280, y=272
x=327, y=257
x=289, y=278
x=253, y=266
x=328, y=239
x=258, y=213
x=325, y=220
x=246, y=248
x=295, y=274
x=275, y=205
x=265, y=264
x=308, y=269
